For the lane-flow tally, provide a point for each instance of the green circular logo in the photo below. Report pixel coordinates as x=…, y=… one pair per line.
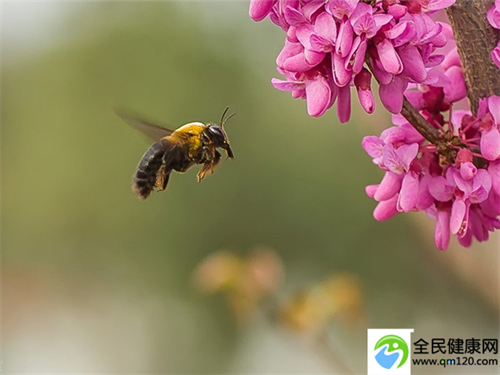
x=393, y=343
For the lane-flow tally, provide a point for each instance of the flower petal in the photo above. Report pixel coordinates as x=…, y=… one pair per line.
x=370, y=190
x=287, y=85
x=290, y=49
x=481, y=180
x=366, y=100
x=344, y=39
x=494, y=107
x=389, y=57
x=413, y=65
x=259, y=9
x=442, y=232
x=407, y=153
x=378, y=71
x=293, y=16
x=386, y=209
x=391, y=94
x=458, y=220
x=490, y=144
x=297, y=63
x=326, y=27
x=344, y=104
x=373, y=146
x=318, y=95
x=468, y=171
x=494, y=171
x=425, y=199
x=493, y=16
x=389, y=186
x=320, y=44
x=440, y=189
x=495, y=55
x=456, y=90
x=408, y=195
x=439, y=4
x=341, y=75
x=359, y=57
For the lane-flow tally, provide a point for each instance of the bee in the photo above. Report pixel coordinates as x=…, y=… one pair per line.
x=177, y=150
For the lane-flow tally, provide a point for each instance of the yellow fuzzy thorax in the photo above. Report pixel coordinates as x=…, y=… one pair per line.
x=191, y=134
x=193, y=128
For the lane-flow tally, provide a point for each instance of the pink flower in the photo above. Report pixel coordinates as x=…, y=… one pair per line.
x=459, y=192
x=400, y=178
x=490, y=139
x=332, y=37
x=493, y=15
x=313, y=86
x=469, y=192
x=495, y=55
x=456, y=179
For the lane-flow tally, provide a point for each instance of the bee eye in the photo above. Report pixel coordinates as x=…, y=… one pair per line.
x=217, y=132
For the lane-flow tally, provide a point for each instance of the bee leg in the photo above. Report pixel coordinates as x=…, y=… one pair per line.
x=216, y=161
x=206, y=157
x=203, y=171
x=165, y=181
x=170, y=160
x=209, y=166
x=162, y=177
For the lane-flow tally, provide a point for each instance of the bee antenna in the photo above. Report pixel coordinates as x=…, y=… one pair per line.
x=224, y=120
x=223, y=114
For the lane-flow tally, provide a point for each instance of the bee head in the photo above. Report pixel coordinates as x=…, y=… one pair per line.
x=217, y=135
x=219, y=138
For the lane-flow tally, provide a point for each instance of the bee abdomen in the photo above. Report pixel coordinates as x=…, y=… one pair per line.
x=145, y=176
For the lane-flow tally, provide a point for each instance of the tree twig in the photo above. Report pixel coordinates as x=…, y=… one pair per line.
x=413, y=116
x=419, y=122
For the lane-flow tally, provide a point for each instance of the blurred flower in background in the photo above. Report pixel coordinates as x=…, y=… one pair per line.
x=251, y=285
x=245, y=282
x=340, y=296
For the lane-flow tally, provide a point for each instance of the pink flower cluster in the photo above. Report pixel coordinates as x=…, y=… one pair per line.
x=455, y=181
x=493, y=16
x=328, y=42
x=448, y=87
x=332, y=45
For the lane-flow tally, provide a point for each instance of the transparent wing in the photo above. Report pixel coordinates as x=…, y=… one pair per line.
x=153, y=131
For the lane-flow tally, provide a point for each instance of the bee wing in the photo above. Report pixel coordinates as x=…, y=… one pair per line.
x=154, y=131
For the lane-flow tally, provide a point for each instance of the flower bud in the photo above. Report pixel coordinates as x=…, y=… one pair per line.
x=362, y=81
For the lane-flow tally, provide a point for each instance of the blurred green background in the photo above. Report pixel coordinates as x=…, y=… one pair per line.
x=95, y=280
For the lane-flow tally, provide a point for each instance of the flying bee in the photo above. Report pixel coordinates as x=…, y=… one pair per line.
x=178, y=150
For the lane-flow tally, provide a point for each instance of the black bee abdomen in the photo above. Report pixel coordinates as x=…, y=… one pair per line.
x=145, y=176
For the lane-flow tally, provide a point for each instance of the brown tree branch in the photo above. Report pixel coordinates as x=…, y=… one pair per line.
x=475, y=40
x=419, y=122
x=413, y=116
